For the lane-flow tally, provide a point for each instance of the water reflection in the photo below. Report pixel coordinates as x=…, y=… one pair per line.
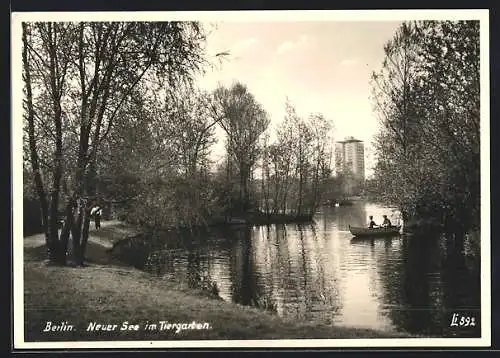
x=316, y=272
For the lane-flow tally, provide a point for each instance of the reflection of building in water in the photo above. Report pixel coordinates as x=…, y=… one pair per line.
x=355, y=215
x=350, y=164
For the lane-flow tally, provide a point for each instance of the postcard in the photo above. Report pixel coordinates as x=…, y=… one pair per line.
x=251, y=179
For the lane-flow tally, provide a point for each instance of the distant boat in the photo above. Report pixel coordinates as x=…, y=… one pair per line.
x=375, y=232
x=236, y=221
x=346, y=202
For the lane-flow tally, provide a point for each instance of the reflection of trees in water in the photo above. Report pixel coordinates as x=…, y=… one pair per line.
x=325, y=260
x=244, y=288
x=324, y=292
x=306, y=291
x=160, y=262
x=284, y=271
x=299, y=268
x=189, y=257
x=193, y=269
x=459, y=281
x=287, y=263
x=193, y=262
x=407, y=287
x=300, y=277
x=461, y=284
x=422, y=285
x=282, y=274
x=304, y=296
x=156, y=250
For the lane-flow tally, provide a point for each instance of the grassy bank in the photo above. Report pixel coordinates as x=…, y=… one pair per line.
x=108, y=292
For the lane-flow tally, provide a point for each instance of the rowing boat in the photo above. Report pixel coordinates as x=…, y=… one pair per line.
x=375, y=232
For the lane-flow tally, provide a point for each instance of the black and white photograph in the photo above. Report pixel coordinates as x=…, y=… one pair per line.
x=251, y=179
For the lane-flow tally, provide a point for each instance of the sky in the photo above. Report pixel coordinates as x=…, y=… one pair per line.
x=321, y=66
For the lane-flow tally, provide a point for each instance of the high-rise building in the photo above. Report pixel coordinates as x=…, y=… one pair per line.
x=350, y=164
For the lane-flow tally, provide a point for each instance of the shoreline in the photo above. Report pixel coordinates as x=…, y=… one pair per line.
x=109, y=292
x=260, y=219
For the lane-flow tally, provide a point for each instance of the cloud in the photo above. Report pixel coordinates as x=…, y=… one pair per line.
x=349, y=62
x=243, y=46
x=289, y=46
x=284, y=47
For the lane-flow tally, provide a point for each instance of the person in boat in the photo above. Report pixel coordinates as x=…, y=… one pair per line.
x=372, y=224
x=387, y=222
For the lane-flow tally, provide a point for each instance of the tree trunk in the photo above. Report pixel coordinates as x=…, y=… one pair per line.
x=58, y=255
x=244, y=196
x=85, y=236
x=315, y=186
x=76, y=234
x=32, y=139
x=299, y=206
x=68, y=224
x=276, y=198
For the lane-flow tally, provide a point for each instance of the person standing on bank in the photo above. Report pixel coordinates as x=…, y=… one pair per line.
x=97, y=217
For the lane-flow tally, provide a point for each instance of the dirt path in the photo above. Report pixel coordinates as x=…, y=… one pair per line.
x=94, y=235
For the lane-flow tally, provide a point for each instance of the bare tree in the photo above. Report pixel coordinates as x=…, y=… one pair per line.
x=244, y=121
x=86, y=72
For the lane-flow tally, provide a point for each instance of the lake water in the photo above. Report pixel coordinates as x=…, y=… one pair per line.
x=318, y=272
